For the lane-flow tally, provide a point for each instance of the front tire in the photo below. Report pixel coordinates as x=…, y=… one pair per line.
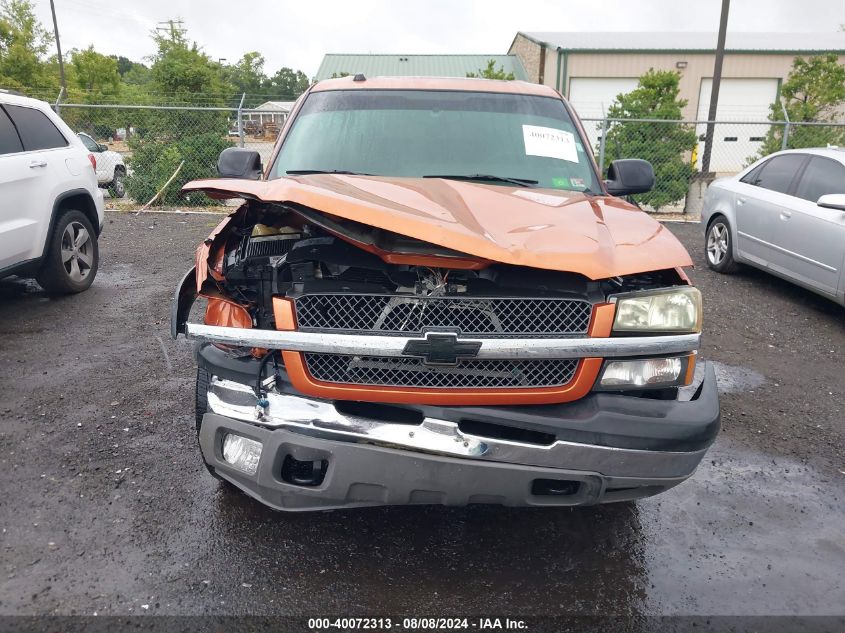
x=73, y=255
x=718, y=246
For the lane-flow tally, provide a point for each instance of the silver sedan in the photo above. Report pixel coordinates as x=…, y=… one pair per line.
x=784, y=214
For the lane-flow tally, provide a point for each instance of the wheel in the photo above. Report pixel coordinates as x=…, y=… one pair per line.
x=203, y=380
x=116, y=186
x=70, y=264
x=718, y=249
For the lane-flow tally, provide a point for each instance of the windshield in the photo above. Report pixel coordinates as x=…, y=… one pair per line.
x=507, y=139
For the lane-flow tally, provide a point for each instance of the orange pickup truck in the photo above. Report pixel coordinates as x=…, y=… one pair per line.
x=429, y=295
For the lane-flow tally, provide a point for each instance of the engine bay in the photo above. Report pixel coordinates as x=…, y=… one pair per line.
x=276, y=250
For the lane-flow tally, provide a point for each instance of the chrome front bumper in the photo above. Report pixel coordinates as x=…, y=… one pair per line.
x=374, y=462
x=317, y=418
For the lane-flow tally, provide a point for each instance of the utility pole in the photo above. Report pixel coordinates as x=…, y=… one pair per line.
x=58, y=48
x=714, y=90
x=173, y=27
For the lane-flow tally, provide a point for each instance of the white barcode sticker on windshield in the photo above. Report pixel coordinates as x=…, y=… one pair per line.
x=549, y=142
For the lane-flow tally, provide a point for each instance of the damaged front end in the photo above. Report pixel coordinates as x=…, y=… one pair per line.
x=343, y=363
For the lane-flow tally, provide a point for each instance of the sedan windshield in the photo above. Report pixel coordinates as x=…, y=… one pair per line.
x=494, y=138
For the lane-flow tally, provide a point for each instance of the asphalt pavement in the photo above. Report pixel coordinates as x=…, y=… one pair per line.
x=105, y=506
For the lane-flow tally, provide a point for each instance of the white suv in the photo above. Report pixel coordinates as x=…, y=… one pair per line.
x=51, y=210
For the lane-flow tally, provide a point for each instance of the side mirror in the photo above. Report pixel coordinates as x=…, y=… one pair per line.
x=629, y=176
x=103, y=148
x=832, y=201
x=236, y=162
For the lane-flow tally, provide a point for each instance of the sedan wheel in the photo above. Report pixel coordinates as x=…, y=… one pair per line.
x=717, y=243
x=116, y=188
x=718, y=247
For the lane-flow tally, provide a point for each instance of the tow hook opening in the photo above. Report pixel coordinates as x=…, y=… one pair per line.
x=309, y=473
x=554, y=487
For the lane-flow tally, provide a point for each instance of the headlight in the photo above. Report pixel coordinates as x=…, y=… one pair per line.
x=645, y=373
x=676, y=310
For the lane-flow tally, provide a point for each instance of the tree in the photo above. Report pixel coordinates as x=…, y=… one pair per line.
x=491, y=73
x=93, y=72
x=126, y=65
x=665, y=145
x=180, y=73
x=813, y=91
x=93, y=78
x=24, y=43
x=287, y=84
x=183, y=73
x=247, y=76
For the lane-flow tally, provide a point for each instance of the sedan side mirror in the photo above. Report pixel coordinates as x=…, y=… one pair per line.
x=102, y=147
x=236, y=162
x=832, y=201
x=628, y=176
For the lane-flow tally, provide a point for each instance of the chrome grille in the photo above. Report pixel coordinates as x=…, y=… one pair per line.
x=412, y=372
x=477, y=316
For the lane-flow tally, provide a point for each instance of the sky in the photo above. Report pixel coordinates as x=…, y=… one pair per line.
x=297, y=34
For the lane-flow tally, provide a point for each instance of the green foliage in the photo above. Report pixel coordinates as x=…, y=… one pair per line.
x=94, y=73
x=184, y=73
x=492, y=73
x=813, y=91
x=180, y=73
x=287, y=84
x=340, y=75
x=154, y=160
x=247, y=76
x=164, y=138
x=666, y=146
x=23, y=45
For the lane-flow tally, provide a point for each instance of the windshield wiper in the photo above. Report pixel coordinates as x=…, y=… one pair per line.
x=520, y=182
x=306, y=172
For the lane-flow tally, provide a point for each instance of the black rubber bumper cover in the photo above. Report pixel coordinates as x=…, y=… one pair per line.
x=601, y=419
x=368, y=475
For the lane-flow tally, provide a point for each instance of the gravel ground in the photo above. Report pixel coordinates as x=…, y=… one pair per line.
x=105, y=506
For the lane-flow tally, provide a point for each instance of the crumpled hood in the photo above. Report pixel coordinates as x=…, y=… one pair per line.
x=598, y=236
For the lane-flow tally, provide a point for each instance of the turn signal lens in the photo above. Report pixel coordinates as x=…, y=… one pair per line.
x=677, y=311
x=93, y=160
x=646, y=372
x=242, y=453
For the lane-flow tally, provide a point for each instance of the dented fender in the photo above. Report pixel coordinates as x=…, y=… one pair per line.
x=183, y=300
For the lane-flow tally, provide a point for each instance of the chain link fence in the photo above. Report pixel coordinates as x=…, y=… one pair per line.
x=676, y=150
x=147, y=152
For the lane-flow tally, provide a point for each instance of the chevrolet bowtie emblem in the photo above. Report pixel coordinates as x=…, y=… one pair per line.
x=441, y=348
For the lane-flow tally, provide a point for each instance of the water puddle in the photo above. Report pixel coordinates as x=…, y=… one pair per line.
x=735, y=379
x=749, y=534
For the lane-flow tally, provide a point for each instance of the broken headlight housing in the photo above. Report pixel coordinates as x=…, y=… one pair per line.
x=669, y=311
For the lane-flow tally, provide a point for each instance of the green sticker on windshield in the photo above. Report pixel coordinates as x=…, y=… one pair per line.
x=560, y=183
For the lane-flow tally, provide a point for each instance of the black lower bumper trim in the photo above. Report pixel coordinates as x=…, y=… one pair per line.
x=354, y=475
